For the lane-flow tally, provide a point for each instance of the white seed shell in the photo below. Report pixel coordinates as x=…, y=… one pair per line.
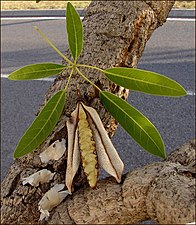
x=54, y=152
x=42, y=176
x=51, y=199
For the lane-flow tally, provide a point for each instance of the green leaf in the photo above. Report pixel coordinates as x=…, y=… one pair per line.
x=36, y=71
x=74, y=30
x=42, y=126
x=135, y=123
x=145, y=81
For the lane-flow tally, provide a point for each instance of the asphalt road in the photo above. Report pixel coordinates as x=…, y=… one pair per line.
x=170, y=51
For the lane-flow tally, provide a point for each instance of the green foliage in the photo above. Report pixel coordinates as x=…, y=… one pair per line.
x=74, y=31
x=36, y=71
x=133, y=121
x=42, y=126
x=145, y=81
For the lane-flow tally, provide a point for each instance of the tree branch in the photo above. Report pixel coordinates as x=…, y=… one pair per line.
x=115, y=34
x=163, y=192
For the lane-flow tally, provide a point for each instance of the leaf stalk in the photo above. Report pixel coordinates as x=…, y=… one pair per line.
x=94, y=85
x=66, y=86
x=53, y=46
x=91, y=67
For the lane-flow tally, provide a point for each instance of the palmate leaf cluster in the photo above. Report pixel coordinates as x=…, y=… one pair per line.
x=133, y=121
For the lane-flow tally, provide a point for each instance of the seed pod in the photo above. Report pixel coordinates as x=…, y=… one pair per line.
x=108, y=157
x=87, y=148
x=87, y=137
x=73, y=156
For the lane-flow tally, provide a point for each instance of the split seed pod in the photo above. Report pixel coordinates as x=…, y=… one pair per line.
x=73, y=156
x=87, y=134
x=108, y=157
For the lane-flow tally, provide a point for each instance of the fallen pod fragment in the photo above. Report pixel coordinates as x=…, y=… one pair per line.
x=40, y=177
x=54, y=152
x=51, y=199
x=88, y=140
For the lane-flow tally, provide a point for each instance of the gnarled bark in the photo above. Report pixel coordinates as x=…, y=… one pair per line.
x=162, y=191
x=115, y=34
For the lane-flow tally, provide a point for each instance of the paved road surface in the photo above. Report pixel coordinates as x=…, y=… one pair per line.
x=170, y=51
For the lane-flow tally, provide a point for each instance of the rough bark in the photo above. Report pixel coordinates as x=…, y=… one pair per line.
x=115, y=34
x=162, y=191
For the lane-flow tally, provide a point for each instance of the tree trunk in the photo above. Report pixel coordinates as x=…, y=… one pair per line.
x=115, y=34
